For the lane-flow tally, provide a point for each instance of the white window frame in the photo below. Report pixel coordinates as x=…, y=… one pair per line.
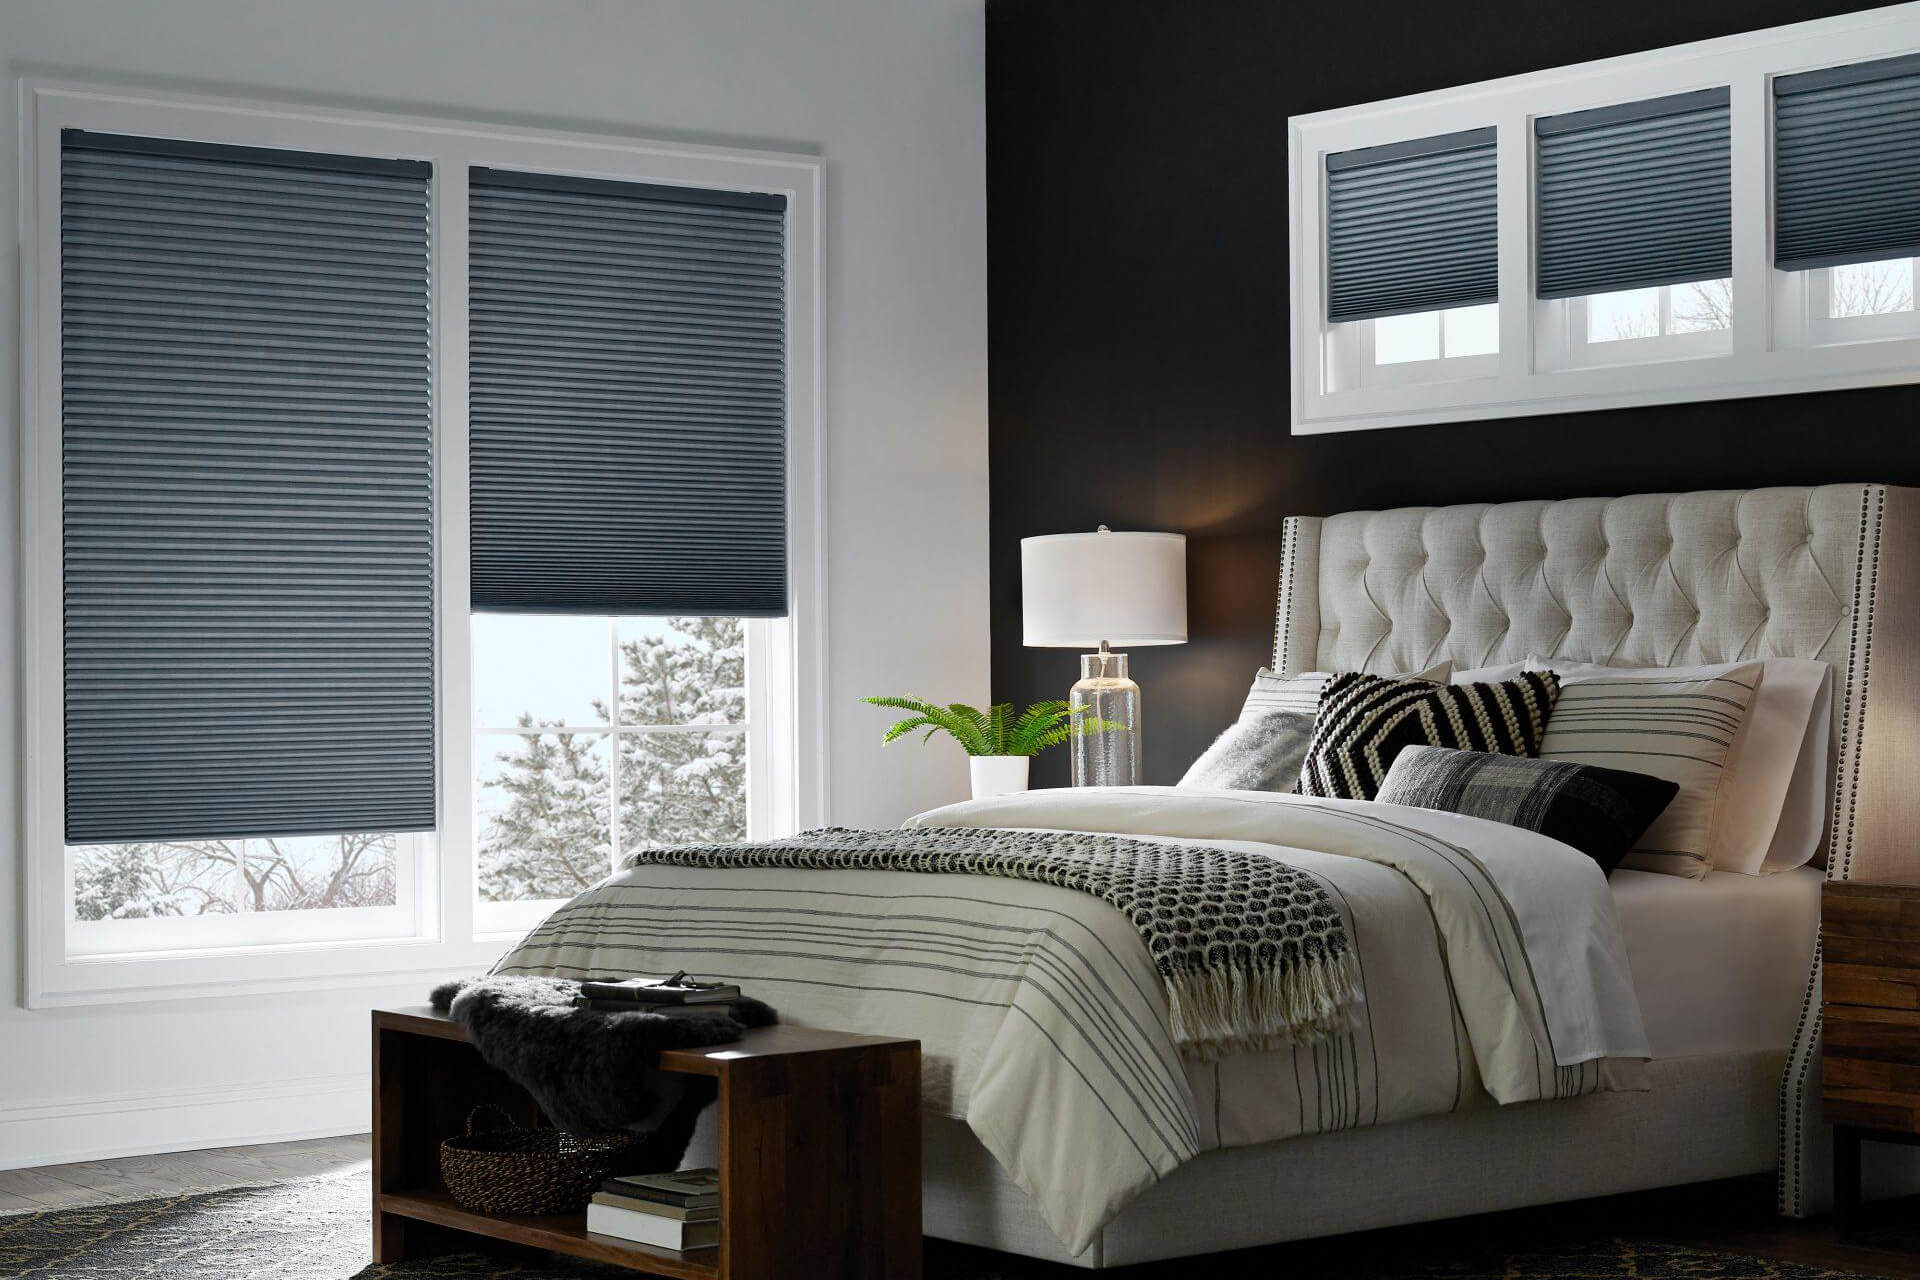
x=786, y=682
x=1760, y=359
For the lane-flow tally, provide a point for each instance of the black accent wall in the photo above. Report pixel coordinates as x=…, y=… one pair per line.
x=1137, y=228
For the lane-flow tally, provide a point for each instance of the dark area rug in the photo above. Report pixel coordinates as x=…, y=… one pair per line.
x=317, y=1229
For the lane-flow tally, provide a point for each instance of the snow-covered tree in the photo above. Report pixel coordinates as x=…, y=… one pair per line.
x=204, y=877
x=680, y=788
x=554, y=837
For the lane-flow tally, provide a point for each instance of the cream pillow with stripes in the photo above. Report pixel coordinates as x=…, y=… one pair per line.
x=1301, y=693
x=1681, y=726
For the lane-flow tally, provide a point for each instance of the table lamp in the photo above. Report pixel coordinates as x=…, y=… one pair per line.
x=1079, y=590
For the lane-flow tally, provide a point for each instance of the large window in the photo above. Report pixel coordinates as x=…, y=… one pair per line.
x=418, y=517
x=1728, y=218
x=247, y=528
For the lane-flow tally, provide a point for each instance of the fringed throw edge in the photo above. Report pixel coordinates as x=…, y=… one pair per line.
x=1219, y=1012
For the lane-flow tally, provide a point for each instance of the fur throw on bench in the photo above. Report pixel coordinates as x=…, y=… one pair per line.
x=594, y=1072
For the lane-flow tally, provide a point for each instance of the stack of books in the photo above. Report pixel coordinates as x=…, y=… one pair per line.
x=678, y=1211
x=678, y=996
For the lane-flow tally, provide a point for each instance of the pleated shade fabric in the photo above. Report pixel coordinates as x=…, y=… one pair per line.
x=627, y=405
x=1412, y=226
x=1634, y=195
x=247, y=492
x=1846, y=164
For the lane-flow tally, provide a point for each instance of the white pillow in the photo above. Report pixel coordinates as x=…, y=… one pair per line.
x=1493, y=674
x=1774, y=811
x=1681, y=724
x=1301, y=692
x=1803, y=818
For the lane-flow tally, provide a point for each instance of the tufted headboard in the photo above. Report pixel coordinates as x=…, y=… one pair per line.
x=1829, y=572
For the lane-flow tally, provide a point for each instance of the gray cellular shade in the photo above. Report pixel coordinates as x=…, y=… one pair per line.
x=1846, y=164
x=1412, y=226
x=247, y=492
x=1634, y=195
x=627, y=401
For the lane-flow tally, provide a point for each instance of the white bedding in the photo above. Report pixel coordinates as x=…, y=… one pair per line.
x=1719, y=964
x=1491, y=958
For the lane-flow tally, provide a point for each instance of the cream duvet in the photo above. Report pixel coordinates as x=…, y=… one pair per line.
x=1491, y=966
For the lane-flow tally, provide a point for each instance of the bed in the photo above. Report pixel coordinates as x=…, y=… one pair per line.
x=1509, y=1057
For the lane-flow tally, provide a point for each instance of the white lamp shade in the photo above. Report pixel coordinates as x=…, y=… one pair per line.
x=1128, y=589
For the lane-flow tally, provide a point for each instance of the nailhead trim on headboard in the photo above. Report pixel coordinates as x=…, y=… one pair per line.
x=1798, y=1083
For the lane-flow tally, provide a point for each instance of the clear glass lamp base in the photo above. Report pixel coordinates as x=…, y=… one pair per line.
x=1107, y=757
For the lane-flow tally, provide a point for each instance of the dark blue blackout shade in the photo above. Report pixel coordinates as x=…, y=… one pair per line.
x=1846, y=164
x=247, y=492
x=1634, y=195
x=627, y=409
x=1412, y=226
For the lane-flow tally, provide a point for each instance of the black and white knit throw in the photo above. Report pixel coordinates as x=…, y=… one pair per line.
x=1253, y=952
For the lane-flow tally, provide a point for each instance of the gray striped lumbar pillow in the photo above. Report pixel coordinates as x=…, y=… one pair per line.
x=1600, y=812
x=1678, y=728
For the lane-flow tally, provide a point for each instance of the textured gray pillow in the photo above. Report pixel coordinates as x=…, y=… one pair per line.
x=1258, y=752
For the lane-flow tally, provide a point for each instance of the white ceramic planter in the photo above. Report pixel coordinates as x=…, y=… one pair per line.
x=998, y=775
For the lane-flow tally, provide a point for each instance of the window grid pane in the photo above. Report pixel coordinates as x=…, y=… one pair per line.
x=682, y=787
x=1471, y=331
x=1701, y=306
x=222, y=877
x=1628, y=314
x=662, y=760
x=1870, y=289
x=544, y=822
x=1400, y=339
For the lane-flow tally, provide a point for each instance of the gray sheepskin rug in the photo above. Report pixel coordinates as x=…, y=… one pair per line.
x=594, y=1072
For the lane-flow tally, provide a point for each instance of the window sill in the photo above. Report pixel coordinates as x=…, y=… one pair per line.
x=1785, y=370
x=253, y=971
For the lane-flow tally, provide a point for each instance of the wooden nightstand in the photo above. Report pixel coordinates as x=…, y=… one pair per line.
x=1870, y=1056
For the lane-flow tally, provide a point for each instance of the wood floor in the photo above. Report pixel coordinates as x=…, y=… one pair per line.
x=1734, y=1216
x=65, y=1186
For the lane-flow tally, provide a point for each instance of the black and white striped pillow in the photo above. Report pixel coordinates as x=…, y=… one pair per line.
x=1364, y=721
x=1600, y=812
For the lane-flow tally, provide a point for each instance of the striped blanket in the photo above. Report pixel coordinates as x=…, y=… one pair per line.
x=1489, y=958
x=1252, y=952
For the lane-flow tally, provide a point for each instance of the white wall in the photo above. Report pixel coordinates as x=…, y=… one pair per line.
x=891, y=93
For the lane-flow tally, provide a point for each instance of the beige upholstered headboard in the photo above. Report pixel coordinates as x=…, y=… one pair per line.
x=1829, y=572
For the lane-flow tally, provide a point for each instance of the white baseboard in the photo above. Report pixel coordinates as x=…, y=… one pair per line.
x=70, y=1129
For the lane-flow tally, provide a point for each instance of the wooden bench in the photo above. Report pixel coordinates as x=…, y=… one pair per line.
x=819, y=1154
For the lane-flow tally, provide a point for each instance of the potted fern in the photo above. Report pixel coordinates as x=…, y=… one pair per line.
x=997, y=742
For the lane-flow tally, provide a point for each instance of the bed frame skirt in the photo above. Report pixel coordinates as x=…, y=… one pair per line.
x=1704, y=1118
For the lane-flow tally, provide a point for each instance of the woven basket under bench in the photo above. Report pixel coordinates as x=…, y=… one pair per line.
x=511, y=1170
